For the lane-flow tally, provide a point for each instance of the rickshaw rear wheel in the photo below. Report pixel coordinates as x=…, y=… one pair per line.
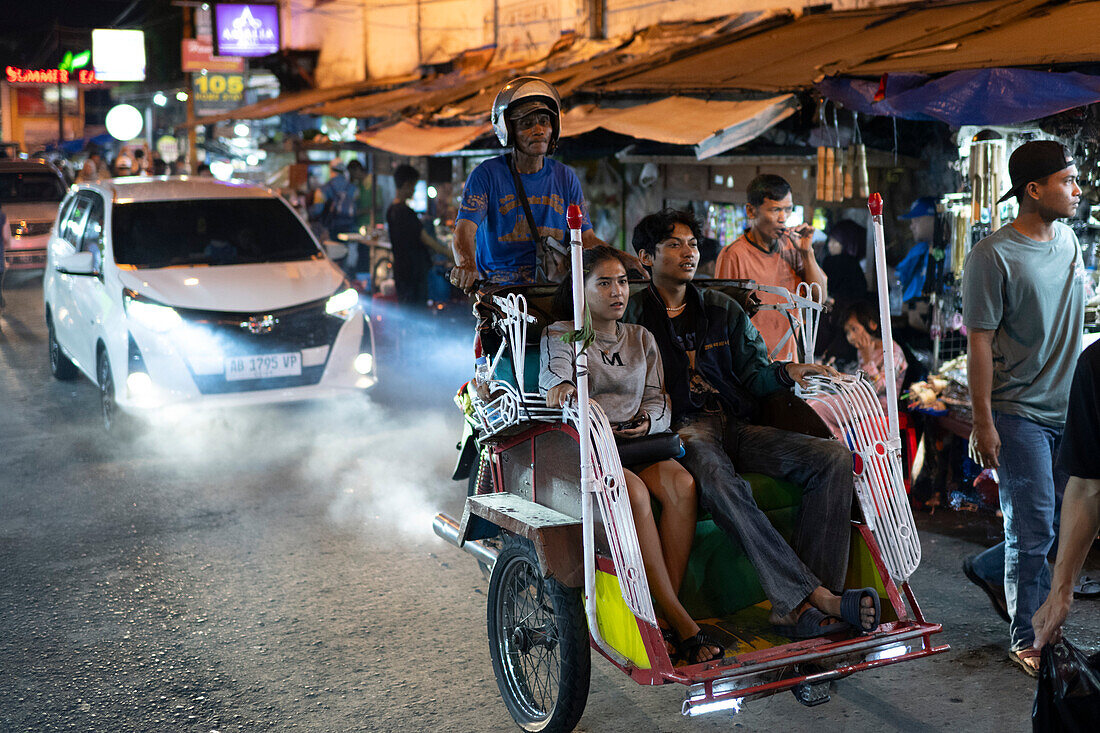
x=538, y=640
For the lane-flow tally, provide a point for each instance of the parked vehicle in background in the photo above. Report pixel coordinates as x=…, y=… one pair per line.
x=182, y=292
x=30, y=191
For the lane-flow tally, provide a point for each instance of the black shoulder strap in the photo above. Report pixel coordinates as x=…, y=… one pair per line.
x=523, y=199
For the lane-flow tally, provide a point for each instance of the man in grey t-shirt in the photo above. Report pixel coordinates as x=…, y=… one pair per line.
x=1023, y=305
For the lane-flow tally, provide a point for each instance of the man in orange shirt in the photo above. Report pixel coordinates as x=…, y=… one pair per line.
x=772, y=254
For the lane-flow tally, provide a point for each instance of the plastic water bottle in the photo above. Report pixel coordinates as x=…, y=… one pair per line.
x=481, y=377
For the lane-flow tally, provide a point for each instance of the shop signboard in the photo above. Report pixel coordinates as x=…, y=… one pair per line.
x=217, y=92
x=118, y=55
x=16, y=75
x=197, y=54
x=246, y=29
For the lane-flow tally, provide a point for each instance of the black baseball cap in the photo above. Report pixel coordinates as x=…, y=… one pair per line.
x=1033, y=161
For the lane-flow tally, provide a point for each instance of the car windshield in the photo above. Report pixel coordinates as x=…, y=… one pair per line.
x=28, y=186
x=208, y=232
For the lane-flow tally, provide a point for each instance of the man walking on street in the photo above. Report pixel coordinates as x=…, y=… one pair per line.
x=772, y=254
x=1023, y=305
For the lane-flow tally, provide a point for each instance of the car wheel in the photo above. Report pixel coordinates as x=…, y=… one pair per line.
x=114, y=421
x=60, y=365
x=538, y=640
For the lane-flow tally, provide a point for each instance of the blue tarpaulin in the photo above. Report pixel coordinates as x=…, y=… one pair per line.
x=972, y=97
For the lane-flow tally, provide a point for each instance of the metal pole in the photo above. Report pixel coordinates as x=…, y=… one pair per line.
x=874, y=203
x=588, y=477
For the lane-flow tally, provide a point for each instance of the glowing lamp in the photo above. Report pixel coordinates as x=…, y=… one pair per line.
x=124, y=122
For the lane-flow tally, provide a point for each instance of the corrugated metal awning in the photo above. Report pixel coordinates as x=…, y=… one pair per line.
x=794, y=52
x=711, y=126
x=407, y=138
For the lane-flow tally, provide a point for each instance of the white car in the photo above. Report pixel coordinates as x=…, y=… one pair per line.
x=30, y=191
x=188, y=292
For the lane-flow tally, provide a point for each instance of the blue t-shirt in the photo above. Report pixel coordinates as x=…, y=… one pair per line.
x=505, y=250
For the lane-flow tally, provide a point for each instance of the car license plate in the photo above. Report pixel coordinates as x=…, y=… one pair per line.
x=263, y=366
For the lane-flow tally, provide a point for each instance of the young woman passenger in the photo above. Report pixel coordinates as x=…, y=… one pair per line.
x=625, y=378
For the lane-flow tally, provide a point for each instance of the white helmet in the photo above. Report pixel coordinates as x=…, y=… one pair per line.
x=523, y=90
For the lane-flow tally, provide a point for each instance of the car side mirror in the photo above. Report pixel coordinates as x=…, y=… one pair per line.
x=335, y=250
x=79, y=263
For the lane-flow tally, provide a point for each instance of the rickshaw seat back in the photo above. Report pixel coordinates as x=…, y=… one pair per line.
x=541, y=306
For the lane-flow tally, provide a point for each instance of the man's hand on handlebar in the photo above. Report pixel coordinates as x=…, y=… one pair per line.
x=464, y=277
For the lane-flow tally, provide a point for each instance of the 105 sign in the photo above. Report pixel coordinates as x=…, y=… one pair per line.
x=217, y=92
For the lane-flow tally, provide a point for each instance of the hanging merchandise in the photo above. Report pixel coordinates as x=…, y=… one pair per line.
x=821, y=160
x=839, y=157
x=988, y=166
x=830, y=177
x=862, y=182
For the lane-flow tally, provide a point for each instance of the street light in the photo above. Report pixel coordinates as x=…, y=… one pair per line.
x=181, y=96
x=159, y=99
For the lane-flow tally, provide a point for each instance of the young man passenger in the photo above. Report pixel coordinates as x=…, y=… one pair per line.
x=716, y=367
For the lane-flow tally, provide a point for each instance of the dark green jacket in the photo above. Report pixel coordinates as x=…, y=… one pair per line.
x=730, y=355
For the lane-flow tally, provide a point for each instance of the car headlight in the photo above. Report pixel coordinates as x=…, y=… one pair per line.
x=154, y=316
x=340, y=305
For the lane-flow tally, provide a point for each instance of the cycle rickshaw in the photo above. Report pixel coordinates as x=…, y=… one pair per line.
x=548, y=519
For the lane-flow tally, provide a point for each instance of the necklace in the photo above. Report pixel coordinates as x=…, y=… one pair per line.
x=677, y=309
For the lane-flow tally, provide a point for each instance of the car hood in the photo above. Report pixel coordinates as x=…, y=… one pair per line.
x=237, y=288
x=31, y=211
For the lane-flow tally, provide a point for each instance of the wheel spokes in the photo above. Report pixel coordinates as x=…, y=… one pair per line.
x=529, y=642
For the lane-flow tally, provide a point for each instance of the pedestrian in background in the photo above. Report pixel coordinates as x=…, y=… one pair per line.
x=5, y=243
x=1023, y=305
x=412, y=245
x=94, y=167
x=771, y=253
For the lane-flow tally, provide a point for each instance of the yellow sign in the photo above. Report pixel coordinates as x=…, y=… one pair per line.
x=217, y=92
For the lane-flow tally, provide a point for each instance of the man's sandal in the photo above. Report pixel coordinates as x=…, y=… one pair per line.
x=689, y=648
x=851, y=608
x=811, y=624
x=1023, y=656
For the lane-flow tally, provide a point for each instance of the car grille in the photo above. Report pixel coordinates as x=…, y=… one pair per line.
x=271, y=332
x=30, y=228
x=16, y=257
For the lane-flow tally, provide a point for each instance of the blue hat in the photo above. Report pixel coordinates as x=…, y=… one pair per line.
x=924, y=206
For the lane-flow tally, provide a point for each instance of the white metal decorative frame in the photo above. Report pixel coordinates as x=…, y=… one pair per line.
x=803, y=310
x=877, y=467
x=510, y=406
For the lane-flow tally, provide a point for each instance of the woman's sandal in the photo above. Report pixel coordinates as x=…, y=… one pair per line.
x=672, y=642
x=689, y=648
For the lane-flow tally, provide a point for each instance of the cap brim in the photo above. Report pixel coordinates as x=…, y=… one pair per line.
x=1010, y=194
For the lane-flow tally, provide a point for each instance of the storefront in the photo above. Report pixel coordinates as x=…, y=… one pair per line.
x=30, y=113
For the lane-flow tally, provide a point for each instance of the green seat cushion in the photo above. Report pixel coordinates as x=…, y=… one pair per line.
x=506, y=373
x=720, y=580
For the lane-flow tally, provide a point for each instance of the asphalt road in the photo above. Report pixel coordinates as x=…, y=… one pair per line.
x=276, y=570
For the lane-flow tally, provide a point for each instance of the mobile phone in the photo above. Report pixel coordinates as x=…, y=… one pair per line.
x=629, y=424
